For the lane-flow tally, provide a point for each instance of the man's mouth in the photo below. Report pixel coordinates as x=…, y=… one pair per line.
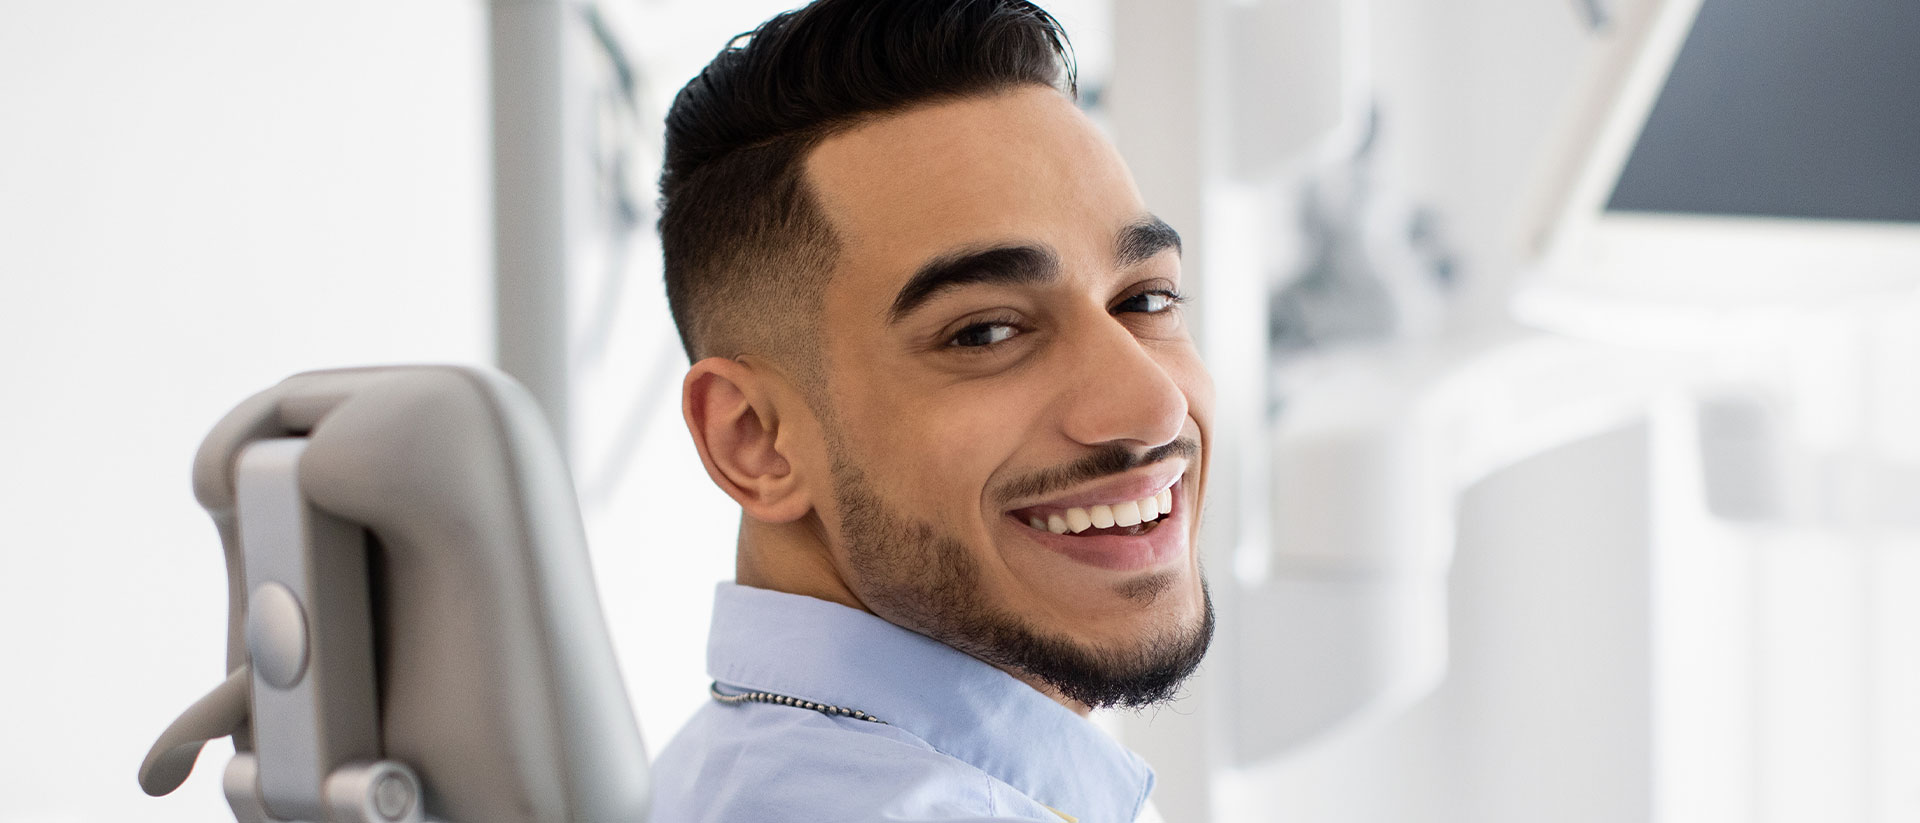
x=1122, y=517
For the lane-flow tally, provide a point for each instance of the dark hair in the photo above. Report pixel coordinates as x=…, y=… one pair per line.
x=742, y=236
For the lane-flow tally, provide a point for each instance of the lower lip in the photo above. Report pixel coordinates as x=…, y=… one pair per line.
x=1121, y=552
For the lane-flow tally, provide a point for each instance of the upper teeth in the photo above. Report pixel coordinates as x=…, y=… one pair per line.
x=1128, y=513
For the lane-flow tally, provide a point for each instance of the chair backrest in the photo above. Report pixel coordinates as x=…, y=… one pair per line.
x=491, y=672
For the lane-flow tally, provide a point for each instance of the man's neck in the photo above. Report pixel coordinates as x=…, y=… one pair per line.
x=791, y=558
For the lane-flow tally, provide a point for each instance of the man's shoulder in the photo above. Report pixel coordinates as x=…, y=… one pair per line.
x=778, y=763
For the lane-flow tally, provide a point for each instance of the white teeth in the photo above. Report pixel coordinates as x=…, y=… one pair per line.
x=1102, y=516
x=1130, y=513
x=1079, y=520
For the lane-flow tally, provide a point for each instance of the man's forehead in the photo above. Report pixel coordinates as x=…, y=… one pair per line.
x=952, y=134
x=1022, y=167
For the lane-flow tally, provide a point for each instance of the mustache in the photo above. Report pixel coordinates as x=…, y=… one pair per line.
x=1109, y=460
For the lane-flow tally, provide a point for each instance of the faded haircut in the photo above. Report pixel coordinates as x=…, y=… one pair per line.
x=747, y=249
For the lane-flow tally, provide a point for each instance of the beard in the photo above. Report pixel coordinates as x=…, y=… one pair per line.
x=927, y=581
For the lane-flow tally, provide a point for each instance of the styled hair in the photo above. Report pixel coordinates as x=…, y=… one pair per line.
x=747, y=250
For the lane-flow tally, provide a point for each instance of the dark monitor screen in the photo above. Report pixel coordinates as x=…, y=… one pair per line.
x=1787, y=108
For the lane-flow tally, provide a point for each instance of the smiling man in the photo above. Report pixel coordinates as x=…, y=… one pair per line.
x=939, y=360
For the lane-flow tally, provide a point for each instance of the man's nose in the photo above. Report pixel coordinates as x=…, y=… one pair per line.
x=1118, y=389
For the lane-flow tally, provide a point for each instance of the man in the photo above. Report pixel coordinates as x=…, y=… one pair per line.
x=939, y=360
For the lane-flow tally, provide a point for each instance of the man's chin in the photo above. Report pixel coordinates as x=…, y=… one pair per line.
x=1147, y=671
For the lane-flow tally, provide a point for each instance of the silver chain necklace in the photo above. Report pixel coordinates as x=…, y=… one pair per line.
x=783, y=700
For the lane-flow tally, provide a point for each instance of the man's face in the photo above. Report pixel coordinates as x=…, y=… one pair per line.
x=1005, y=360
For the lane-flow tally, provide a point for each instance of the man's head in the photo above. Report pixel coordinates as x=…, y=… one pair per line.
x=935, y=331
x=747, y=249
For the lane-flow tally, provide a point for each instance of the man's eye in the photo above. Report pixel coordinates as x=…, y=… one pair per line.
x=983, y=334
x=1151, y=302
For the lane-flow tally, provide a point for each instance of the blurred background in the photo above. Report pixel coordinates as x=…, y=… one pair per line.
x=1569, y=357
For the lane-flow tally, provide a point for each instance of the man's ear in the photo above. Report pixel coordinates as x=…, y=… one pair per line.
x=731, y=411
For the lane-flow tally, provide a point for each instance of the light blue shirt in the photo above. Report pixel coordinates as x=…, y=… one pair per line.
x=961, y=741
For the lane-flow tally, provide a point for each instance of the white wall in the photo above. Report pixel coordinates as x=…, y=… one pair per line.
x=196, y=199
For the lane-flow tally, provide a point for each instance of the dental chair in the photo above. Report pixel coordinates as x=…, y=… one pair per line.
x=413, y=632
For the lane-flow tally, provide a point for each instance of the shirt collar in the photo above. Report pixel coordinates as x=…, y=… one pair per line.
x=815, y=650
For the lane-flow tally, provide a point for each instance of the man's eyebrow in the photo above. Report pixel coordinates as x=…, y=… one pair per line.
x=999, y=264
x=1147, y=237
